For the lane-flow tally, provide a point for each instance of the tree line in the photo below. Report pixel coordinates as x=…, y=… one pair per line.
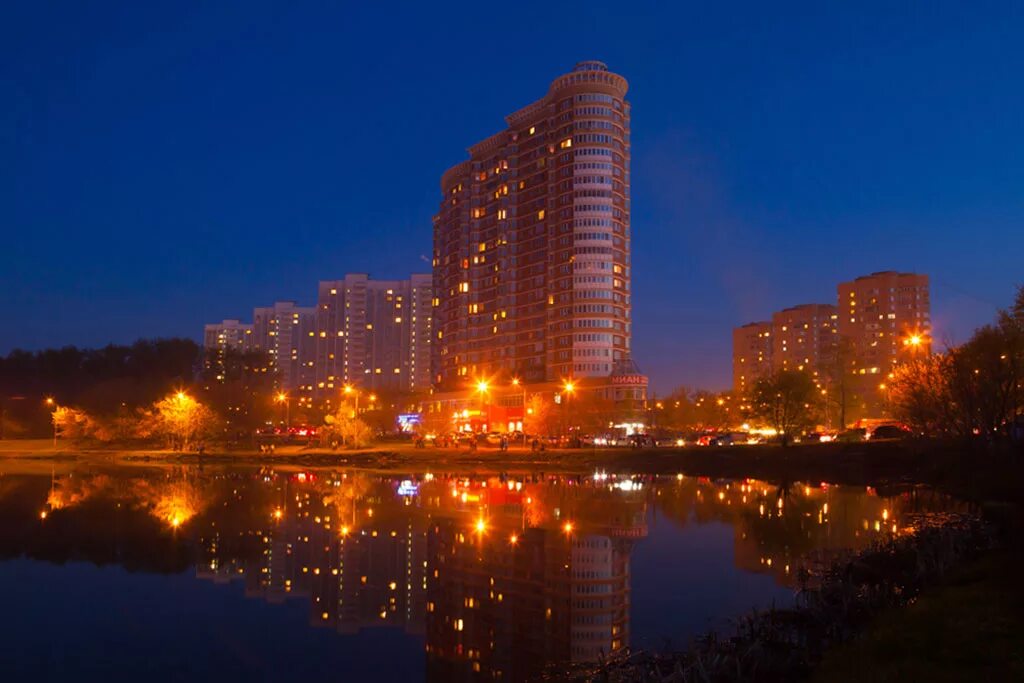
x=971, y=391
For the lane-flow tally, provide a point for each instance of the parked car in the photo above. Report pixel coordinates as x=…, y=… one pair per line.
x=731, y=439
x=889, y=432
x=852, y=435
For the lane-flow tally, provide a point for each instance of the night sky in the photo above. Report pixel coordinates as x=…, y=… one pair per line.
x=170, y=164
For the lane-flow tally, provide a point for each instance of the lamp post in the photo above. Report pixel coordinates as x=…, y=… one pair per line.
x=915, y=341
x=349, y=390
x=50, y=403
x=517, y=383
x=567, y=389
x=482, y=386
x=283, y=398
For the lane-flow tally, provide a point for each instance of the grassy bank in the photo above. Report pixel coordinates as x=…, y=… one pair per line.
x=969, y=628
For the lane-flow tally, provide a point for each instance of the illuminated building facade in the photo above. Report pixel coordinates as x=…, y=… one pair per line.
x=220, y=338
x=887, y=317
x=228, y=334
x=286, y=333
x=374, y=334
x=751, y=355
x=804, y=338
x=532, y=242
x=879, y=321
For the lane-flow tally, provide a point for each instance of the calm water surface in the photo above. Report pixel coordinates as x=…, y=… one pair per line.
x=190, y=574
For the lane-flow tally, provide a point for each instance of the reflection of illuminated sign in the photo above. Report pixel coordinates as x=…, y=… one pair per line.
x=408, y=488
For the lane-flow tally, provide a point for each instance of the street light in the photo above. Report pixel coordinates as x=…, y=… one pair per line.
x=50, y=403
x=568, y=388
x=348, y=392
x=482, y=386
x=517, y=383
x=282, y=398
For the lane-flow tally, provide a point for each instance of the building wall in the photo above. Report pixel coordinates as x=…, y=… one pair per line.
x=374, y=334
x=531, y=241
x=286, y=332
x=804, y=338
x=875, y=321
x=751, y=354
x=879, y=313
x=228, y=334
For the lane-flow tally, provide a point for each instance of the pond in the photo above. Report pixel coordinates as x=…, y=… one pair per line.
x=175, y=573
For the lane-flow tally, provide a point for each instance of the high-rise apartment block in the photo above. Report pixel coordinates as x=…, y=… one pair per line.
x=803, y=337
x=374, y=333
x=887, y=317
x=227, y=334
x=532, y=241
x=751, y=354
x=286, y=333
x=879, y=320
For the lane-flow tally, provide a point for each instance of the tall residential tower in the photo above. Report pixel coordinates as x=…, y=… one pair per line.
x=532, y=241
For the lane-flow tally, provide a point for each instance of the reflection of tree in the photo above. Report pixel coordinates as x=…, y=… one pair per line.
x=69, y=491
x=174, y=501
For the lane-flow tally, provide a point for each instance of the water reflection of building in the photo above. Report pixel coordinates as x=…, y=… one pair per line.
x=502, y=575
x=780, y=530
x=503, y=600
x=352, y=578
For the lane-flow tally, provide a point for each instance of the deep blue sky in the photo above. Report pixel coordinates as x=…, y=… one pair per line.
x=163, y=165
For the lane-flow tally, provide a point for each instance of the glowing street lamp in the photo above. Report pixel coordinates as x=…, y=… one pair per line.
x=517, y=383
x=481, y=387
x=51, y=403
x=283, y=398
x=915, y=341
x=349, y=391
x=568, y=388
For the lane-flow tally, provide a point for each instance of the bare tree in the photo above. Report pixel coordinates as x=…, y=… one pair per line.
x=787, y=401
